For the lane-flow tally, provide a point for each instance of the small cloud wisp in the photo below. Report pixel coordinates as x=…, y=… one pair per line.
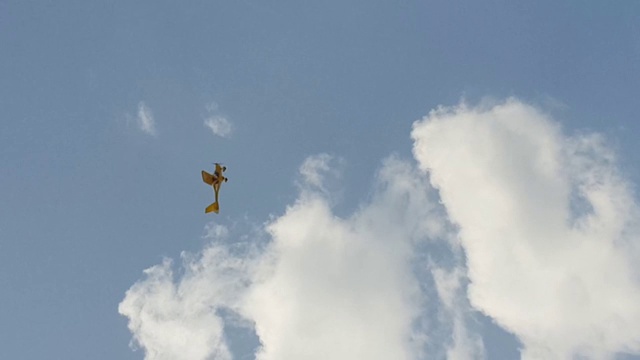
x=145, y=120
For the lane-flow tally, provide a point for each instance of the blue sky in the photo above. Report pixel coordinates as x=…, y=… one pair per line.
x=325, y=90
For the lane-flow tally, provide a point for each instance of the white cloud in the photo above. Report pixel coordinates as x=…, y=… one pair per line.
x=534, y=228
x=322, y=287
x=313, y=169
x=145, y=120
x=464, y=344
x=548, y=227
x=179, y=318
x=336, y=288
x=323, y=173
x=219, y=125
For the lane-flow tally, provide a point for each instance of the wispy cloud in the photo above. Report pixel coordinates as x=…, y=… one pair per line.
x=314, y=168
x=464, y=344
x=505, y=214
x=145, y=120
x=218, y=124
x=323, y=173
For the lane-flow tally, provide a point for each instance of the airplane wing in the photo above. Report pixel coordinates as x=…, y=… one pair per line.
x=206, y=177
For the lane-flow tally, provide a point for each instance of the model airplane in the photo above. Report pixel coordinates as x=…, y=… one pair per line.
x=215, y=181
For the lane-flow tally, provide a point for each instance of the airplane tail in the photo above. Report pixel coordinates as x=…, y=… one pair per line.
x=213, y=207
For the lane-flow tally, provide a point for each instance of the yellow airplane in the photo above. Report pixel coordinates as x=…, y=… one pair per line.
x=215, y=181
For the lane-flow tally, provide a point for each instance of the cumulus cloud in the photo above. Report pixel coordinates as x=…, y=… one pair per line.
x=179, y=317
x=320, y=287
x=548, y=226
x=145, y=120
x=338, y=288
x=503, y=214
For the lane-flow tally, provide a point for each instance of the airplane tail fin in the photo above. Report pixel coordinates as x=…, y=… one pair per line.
x=213, y=207
x=206, y=177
